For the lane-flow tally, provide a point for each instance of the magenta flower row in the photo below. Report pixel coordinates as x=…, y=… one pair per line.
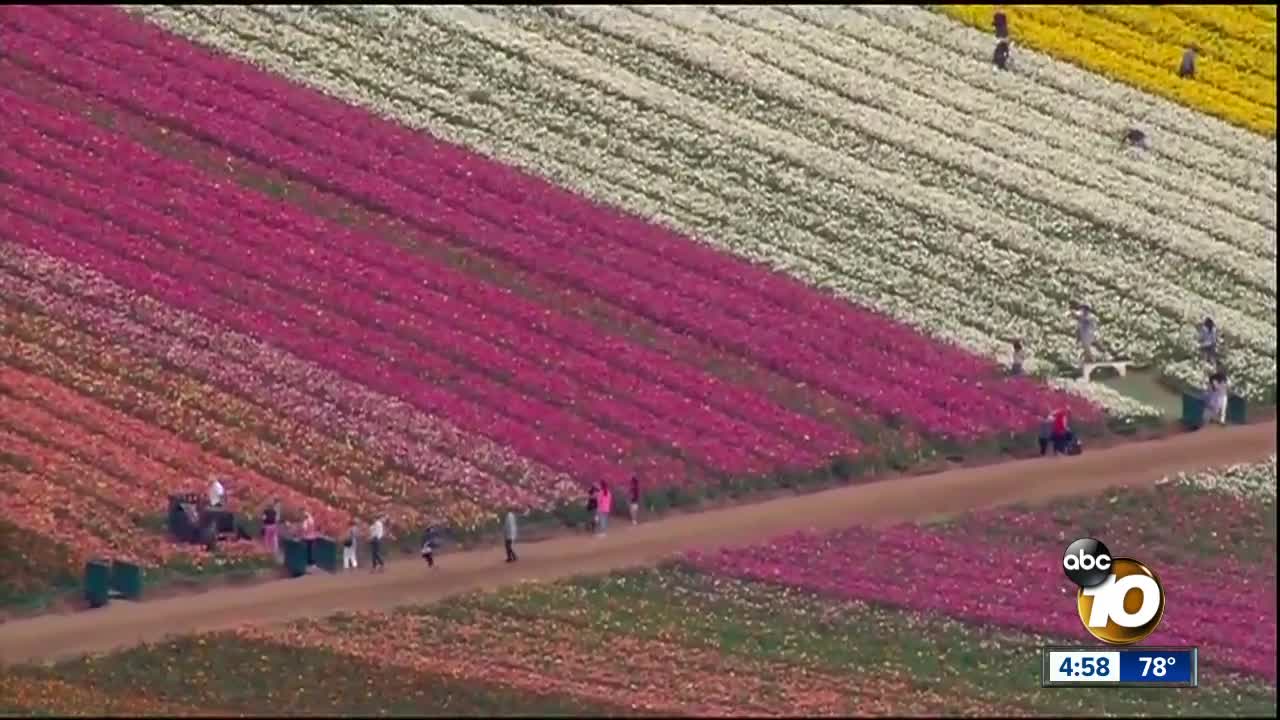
x=1228, y=611
x=855, y=354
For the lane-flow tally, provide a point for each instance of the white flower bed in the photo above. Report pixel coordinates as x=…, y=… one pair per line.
x=1116, y=404
x=1250, y=480
x=890, y=214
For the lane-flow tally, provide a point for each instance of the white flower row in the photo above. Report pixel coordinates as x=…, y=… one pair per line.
x=1115, y=403
x=1241, y=215
x=912, y=264
x=1249, y=480
x=1238, y=151
x=754, y=59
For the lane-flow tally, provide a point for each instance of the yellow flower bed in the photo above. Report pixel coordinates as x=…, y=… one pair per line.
x=1144, y=59
x=1170, y=29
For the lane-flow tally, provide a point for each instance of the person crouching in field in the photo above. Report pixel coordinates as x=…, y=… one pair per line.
x=1187, y=69
x=1061, y=431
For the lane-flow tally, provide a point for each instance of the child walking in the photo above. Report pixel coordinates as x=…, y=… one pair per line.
x=429, y=546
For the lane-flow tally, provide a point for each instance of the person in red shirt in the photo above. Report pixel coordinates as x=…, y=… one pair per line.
x=1061, y=435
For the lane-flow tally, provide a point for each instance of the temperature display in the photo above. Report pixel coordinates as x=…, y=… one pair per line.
x=1119, y=667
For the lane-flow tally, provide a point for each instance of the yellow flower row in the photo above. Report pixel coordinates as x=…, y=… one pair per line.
x=1143, y=62
x=1240, y=22
x=1167, y=27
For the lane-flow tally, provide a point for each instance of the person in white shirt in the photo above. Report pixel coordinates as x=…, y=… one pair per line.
x=1216, y=401
x=375, y=544
x=217, y=493
x=349, y=549
x=1086, y=331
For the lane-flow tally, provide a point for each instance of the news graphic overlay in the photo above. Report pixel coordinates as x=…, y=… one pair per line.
x=1120, y=600
x=1119, y=667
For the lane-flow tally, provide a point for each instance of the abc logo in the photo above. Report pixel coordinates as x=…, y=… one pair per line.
x=1120, y=600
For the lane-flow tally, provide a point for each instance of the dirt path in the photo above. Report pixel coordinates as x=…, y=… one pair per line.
x=124, y=624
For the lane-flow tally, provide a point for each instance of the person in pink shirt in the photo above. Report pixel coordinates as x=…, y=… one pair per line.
x=603, y=509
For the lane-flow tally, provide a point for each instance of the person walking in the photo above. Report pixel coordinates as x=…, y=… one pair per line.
x=429, y=546
x=376, y=531
x=1019, y=359
x=605, y=507
x=509, y=531
x=1187, y=69
x=593, y=505
x=1046, y=433
x=1207, y=339
x=1215, y=406
x=217, y=493
x=1000, y=21
x=349, y=561
x=271, y=527
x=1086, y=331
x=635, y=499
x=309, y=536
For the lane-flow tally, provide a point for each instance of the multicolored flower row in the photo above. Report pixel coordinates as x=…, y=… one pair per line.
x=915, y=256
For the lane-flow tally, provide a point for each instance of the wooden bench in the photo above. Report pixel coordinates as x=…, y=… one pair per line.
x=1120, y=366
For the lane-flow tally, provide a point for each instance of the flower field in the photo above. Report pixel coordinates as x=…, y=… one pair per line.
x=1142, y=45
x=759, y=632
x=863, y=149
x=206, y=267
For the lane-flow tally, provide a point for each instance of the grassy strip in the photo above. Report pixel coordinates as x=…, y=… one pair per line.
x=240, y=675
x=983, y=664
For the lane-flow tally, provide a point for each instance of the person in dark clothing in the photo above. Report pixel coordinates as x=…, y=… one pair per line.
x=1188, y=67
x=429, y=546
x=1046, y=433
x=635, y=499
x=593, y=503
x=1001, y=57
x=1001, y=22
x=1134, y=137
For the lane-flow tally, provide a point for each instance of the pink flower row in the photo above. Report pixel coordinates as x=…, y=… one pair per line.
x=152, y=463
x=665, y=408
x=276, y=379
x=1230, y=613
x=845, y=360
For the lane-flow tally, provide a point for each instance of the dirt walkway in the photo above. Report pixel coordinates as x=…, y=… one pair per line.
x=124, y=624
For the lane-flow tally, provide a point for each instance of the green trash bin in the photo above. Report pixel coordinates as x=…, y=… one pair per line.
x=325, y=554
x=97, y=583
x=126, y=579
x=1192, y=410
x=1237, y=410
x=295, y=557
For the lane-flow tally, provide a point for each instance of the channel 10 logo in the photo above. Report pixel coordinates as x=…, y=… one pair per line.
x=1120, y=600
